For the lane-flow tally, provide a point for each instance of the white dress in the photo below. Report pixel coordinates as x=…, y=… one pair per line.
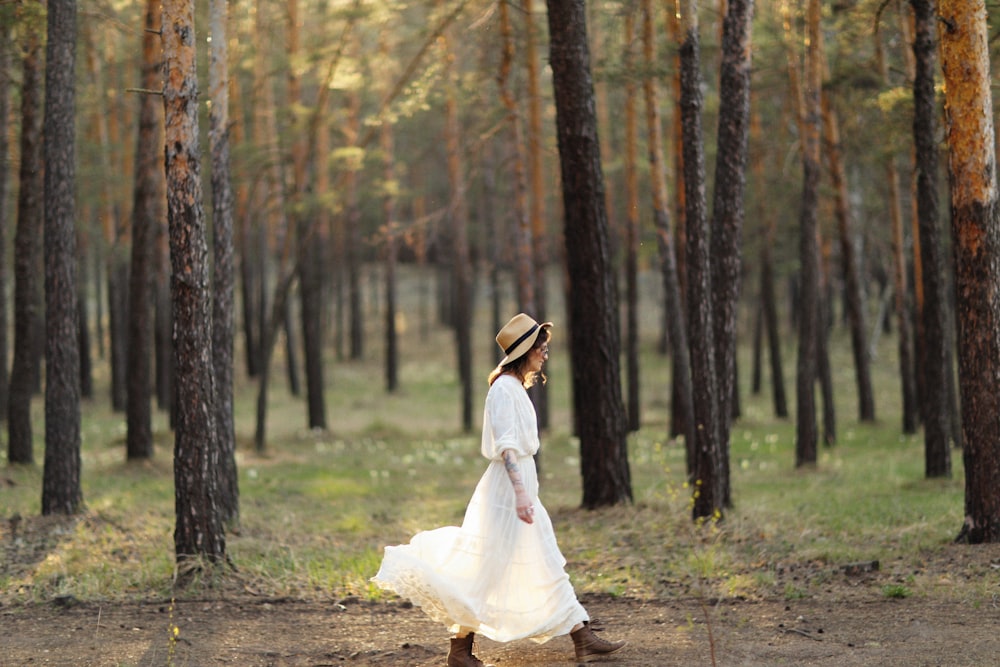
x=494, y=575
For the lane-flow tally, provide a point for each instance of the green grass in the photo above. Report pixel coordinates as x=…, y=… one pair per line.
x=318, y=508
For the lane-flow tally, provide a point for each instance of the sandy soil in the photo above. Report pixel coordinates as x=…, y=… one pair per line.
x=863, y=628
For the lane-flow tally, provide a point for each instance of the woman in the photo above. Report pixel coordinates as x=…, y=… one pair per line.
x=501, y=573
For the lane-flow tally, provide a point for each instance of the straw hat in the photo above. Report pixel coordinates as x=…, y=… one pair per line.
x=517, y=336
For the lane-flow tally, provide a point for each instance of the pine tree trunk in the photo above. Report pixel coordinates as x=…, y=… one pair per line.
x=27, y=249
x=900, y=282
x=853, y=289
x=536, y=178
x=118, y=291
x=975, y=226
x=461, y=264
x=352, y=232
x=199, y=537
x=769, y=309
x=728, y=215
x=61, y=490
x=677, y=425
x=309, y=250
x=709, y=496
x=147, y=213
x=631, y=157
x=6, y=64
x=676, y=321
x=806, y=435
x=525, y=275
x=599, y=411
x=83, y=311
x=223, y=288
x=934, y=314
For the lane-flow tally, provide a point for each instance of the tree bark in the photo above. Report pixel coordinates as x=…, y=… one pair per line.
x=709, y=494
x=853, y=289
x=630, y=155
x=6, y=64
x=223, y=282
x=61, y=490
x=673, y=301
x=677, y=427
x=199, y=537
x=536, y=179
x=147, y=215
x=525, y=278
x=806, y=435
x=728, y=216
x=769, y=308
x=116, y=237
x=392, y=231
x=936, y=410
x=352, y=231
x=461, y=267
x=900, y=282
x=593, y=306
x=309, y=251
x=27, y=250
x=976, y=237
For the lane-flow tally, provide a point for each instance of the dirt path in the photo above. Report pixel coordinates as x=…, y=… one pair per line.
x=251, y=632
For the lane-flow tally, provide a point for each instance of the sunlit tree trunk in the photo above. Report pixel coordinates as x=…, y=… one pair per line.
x=936, y=410
x=198, y=535
x=148, y=200
x=61, y=490
x=675, y=319
x=593, y=306
x=976, y=237
x=27, y=251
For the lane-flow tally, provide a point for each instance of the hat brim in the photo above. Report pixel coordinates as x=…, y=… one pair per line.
x=525, y=345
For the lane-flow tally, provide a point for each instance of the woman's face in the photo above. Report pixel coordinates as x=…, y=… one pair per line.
x=537, y=357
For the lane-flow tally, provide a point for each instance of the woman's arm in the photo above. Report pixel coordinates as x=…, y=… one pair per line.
x=523, y=503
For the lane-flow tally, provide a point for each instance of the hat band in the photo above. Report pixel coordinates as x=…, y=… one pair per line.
x=521, y=339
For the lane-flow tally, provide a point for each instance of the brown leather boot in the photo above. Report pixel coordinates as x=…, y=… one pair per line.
x=461, y=653
x=589, y=647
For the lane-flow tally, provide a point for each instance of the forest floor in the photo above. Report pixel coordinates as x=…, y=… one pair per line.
x=849, y=622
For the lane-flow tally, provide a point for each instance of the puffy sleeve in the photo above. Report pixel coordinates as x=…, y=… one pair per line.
x=502, y=427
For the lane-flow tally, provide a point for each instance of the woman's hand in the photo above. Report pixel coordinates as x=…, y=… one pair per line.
x=525, y=509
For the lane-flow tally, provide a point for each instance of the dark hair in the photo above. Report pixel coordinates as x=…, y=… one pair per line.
x=517, y=366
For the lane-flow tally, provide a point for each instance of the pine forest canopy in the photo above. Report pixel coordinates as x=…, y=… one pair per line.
x=361, y=133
